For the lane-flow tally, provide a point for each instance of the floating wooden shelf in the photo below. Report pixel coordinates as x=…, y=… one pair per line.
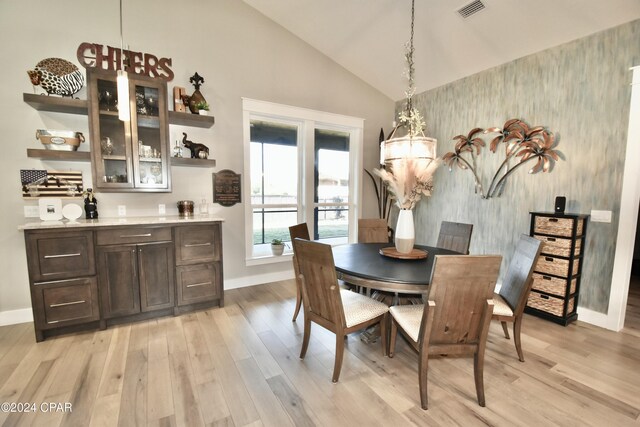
x=68, y=156
x=188, y=119
x=186, y=161
x=56, y=104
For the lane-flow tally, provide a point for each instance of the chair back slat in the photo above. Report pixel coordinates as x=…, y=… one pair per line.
x=517, y=281
x=373, y=230
x=299, y=230
x=455, y=236
x=319, y=281
x=460, y=287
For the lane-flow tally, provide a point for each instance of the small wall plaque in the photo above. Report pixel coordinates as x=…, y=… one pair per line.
x=226, y=188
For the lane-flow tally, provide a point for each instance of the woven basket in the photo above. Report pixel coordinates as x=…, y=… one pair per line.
x=557, y=226
x=553, y=285
x=546, y=303
x=556, y=266
x=558, y=246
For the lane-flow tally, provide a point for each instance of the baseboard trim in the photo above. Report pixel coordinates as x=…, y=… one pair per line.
x=258, y=279
x=13, y=317
x=596, y=318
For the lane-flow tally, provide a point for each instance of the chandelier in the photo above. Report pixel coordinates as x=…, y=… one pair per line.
x=414, y=145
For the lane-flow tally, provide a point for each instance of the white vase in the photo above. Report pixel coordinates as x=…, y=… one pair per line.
x=405, y=234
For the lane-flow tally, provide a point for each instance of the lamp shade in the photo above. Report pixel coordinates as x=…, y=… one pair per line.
x=415, y=147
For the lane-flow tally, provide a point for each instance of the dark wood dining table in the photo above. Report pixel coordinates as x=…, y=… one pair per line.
x=361, y=264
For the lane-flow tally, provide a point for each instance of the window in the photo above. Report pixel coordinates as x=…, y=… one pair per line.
x=302, y=167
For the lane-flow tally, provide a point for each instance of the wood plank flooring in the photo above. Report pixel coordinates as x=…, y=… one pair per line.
x=239, y=366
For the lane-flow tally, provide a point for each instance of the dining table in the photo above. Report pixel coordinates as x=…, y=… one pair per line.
x=362, y=264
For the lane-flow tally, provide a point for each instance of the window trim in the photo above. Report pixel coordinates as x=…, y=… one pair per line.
x=308, y=120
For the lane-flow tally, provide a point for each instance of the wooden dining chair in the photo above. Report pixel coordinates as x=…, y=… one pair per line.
x=510, y=302
x=373, y=230
x=340, y=311
x=456, y=317
x=301, y=231
x=455, y=236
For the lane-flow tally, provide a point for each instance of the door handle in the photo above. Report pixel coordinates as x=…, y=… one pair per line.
x=61, y=255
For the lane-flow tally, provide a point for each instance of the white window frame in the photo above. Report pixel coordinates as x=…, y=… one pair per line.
x=307, y=120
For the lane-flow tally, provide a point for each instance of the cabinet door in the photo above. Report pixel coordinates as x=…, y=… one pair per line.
x=150, y=135
x=156, y=268
x=118, y=280
x=111, y=152
x=199, y=283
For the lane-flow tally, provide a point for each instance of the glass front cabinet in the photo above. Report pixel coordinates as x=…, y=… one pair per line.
x=129, y=155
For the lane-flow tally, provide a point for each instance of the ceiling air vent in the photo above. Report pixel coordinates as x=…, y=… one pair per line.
x=471, y=9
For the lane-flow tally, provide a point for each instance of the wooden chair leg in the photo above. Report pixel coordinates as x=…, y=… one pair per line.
x=339, y=356
x=478, y=373
x=306, y=336
x=504, y=328
x=393, y=333
x=423, y=370
x=384, y=322
x=517, y=325
x=298, y=301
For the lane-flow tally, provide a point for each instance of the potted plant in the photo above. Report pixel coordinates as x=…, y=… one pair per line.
x=203, y=108
x=277, y=247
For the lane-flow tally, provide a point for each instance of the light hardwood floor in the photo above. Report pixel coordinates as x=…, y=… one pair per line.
x=239, y=366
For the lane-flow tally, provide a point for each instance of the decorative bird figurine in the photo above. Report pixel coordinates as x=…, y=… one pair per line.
x=57, y=76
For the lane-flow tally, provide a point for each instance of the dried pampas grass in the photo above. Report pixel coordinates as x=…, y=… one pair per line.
x=409, y=179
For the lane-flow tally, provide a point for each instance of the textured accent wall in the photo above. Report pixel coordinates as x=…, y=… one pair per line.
x=581, y=92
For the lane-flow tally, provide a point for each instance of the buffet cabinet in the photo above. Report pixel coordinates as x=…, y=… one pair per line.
x=558, y=271
x=97, y=276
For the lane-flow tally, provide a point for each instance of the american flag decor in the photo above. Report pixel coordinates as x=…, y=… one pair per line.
x=44, y=183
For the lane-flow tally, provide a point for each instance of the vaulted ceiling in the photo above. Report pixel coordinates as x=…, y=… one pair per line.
x=368, y=37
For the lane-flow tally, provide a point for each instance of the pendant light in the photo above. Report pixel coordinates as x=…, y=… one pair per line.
x=122, y=81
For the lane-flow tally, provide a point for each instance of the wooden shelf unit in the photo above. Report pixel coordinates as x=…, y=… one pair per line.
x=188, y=119
x=187, y=161
x=67, y=156
x=558, y=271
x=56, y=104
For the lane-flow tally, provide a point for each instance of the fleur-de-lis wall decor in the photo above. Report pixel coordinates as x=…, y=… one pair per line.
x=522, y=144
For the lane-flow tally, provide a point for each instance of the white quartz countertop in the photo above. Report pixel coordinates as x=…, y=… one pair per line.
x=119, y=221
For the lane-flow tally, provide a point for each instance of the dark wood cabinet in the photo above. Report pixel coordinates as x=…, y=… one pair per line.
x=198, y=263
x=558, y=271
x=135, y=278
x=129, y=155
x=98, y=275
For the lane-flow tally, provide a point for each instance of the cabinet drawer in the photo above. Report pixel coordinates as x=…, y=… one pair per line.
x=198, y=243
x=557, y=226
x=558, y=246
x=553, y=285
x=556, y=266
x=129, y=235
x=198, y=283
x=60, y=255
x=66, y=302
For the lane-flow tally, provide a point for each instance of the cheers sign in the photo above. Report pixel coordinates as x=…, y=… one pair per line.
x=93, y=55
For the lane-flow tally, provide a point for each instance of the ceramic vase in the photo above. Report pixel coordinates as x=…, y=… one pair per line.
x=405, y=234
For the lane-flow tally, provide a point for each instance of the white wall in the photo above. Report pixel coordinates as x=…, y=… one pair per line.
x=239, y=52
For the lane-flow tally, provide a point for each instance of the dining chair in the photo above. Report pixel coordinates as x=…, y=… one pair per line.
x=373, y=230
x=455, y=236
x=511, y=300
x=456, y=317
x=301, y=231
x=340, y=311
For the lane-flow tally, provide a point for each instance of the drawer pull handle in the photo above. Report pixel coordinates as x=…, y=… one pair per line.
x=198, y=284
x=549, y=259
x=544, y=296
x=546, y=277
x=551, y=239
x=135, y=235
x=191, y=245
x=51, y=322
x=62, y=304
x=60, y=256
x=553, y=219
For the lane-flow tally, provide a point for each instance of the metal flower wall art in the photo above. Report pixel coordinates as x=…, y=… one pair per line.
x=523, y=144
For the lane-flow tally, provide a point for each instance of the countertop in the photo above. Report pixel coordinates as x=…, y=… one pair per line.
x=118, y=221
